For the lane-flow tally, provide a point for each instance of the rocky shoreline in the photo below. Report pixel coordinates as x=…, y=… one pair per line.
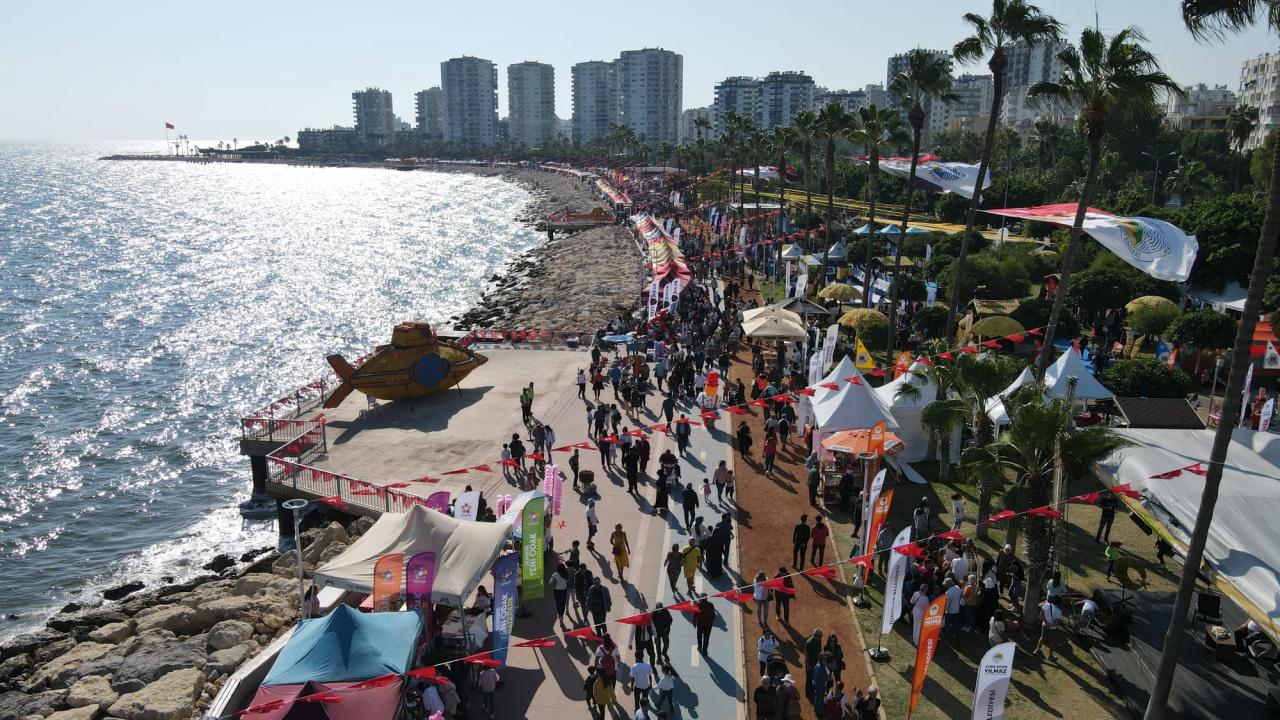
x=161, y=654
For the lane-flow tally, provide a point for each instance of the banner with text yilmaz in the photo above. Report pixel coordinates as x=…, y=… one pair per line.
x=504, y=603
x=531, y=551
x=898, y=565
x=994, y=674
x=388, y=579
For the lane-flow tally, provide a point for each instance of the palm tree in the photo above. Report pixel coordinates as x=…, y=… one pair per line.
x=780, y=141
x=1240, y=124
x=943, y=417
x=834, y=124
x=759, y=143
x=1104, y=76
x=977, y=380
x=926, y=77
x=701, y=124
x=805, y=126
x=1040, y=433
x=1011, y=22
x=1189, y=179
x=878, y=128
x=736, y=129
x=1208, y=19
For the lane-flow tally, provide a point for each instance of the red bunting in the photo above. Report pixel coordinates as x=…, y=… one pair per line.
x=262, y=707
x=463, y=471
x=735, y=410
x=584, y=445
x=587, y=634
x=951, y=535
x=911, y=550
x=610, y=440
x=1017, y=337
x=483, y=468
x=686, y=606
x=1035, y=332
x=822, y=571
x=660, y=427
x=334, y=501
x=1127, y=491
x=364, y=492
x=425, y=479
x=398, y=485
x=422, y=673
x=948, y=356
x=924, y=360
x=538, y=643
x=759, y=402
x=779, y=585
x=638, y=432
x=1088, y=498
x=875, y=373
x=969, y=349
x=326, y=698
x=1045, y=512
x=1167, y=475
x=1197, y=469
x=994, y=344
x=536, y=457
x=829, y=385
x=385, y=680
x=709, y=415
x=807, y=392
x=1000, y=517
x=644, y=618
x=687, y=421
x=854, y=379
x=782, y=398
x=509, y=463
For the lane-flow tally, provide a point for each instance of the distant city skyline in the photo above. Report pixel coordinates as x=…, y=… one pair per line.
x=84, y=71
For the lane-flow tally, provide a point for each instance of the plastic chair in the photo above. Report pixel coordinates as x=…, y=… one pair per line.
x=1209, y=608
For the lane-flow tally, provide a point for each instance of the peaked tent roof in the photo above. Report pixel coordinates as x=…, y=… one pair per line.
x=347, y=646
x=841, y=370
x=889, y=391
x=852, y=407
x=1068, y=365
x=464, y=550
x=801, y=307
x=994, y=406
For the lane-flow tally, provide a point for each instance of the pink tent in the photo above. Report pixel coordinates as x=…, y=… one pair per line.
x=326, y=701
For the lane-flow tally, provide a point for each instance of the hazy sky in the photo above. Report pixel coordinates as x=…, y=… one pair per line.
x=90, y=70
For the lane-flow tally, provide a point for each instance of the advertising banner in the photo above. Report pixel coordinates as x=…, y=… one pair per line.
x=930, y=632
x=994, y=674
x=531, y=550
x=388, y=579
x=420, y=576
x=898, y=564
x=439, y=501
x=504, y=603
x=468, y=505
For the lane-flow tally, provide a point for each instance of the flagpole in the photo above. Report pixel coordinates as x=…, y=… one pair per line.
x=166, y=138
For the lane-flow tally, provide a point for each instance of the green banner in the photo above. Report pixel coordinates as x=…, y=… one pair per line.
x=531, y=551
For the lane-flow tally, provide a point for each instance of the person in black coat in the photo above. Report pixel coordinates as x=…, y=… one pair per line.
x=661, y=618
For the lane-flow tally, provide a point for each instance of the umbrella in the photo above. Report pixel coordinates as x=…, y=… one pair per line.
x=1151, y=301
x=859, y=441
x=997, y=326
x=802, y=307
x=840, y=291
x=774, y=327
x=771, y=311
x=859, y=318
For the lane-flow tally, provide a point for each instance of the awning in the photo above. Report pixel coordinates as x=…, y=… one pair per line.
x=347, y=646
x=1230, y=298
x=859, y=441
x=347, y=701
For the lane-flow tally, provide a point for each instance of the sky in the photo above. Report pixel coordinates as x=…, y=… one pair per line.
x=83, y=70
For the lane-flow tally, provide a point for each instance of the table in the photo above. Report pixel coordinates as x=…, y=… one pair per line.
x=1224, y=650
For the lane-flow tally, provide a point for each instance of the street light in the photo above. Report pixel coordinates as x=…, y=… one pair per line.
x=1155, y=182
x=1218, y=362
x=296, y=506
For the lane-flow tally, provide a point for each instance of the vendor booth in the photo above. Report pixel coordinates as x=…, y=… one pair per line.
x=908, y=409
x=856, y=407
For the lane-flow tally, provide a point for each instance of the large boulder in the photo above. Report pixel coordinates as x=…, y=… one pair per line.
x=59, y=671
x=19, y=705
x=108, y=664
x=33, y=641
x=88, y=712
x=92, y=691
x=172, y=697
x=149, y=662
x=225, y=662
x=229, y=633
x=334, y=550
x=178, y=619
x=360, y=525
x=213, y=612
x=15, y=666
x=255, y=584
x=49, y=651
x=333, y=532
x=111, y=633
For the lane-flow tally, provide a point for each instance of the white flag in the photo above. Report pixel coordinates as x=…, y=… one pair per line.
x=994, y=673
x=1155, y=247
x=937, y=176
x=467, y=505
x=829, y=346
x=1264, y=420
x=893, y=584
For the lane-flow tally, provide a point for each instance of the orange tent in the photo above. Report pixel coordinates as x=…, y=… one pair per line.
x=859, y=441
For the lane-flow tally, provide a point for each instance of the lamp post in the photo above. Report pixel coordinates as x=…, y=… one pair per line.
x=296, y=506
x=1218, y=362
x=1155, y=182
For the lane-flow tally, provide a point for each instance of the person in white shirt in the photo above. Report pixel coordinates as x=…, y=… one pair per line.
x=957, y=512
x=954, y=595
x=767, y=646
x=959, y=567
x=666, y=688
x=761, y=595
x=641, y=680
x=1050, y=615
x=582, y=384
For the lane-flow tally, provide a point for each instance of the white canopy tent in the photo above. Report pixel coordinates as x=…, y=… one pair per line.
x=908, y=410
x=843, y=368
x=855, y=406
x=1240, y=548
x=1069, y=365
x=465, y=552
x=995, y=408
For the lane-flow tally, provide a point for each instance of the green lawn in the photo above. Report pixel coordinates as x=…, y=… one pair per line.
x=1073, y=685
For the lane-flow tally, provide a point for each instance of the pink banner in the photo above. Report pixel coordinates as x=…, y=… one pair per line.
x=553, y=487
x=418, y=582
x=439, y=501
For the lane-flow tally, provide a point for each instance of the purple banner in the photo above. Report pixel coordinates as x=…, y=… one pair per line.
x=439, y=501
x=421, y=575
x=505, y=572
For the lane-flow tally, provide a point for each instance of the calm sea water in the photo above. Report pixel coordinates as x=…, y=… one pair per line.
x=144, y=306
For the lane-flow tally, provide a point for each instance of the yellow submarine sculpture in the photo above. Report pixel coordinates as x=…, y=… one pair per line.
x=416, y=364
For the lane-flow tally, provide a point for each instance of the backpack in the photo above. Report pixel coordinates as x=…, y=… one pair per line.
x=608, y=665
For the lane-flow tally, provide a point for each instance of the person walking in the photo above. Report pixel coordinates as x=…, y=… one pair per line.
x=919, y=603
x=684, y=428
x=666, y=691
x=800, y=541
x=505, y=461
x=920, y=520
x=689, y=501
x=631, y=464
x=641, y=682
x=782, y=599
x=582, y=384
x=819, y=679
x=704, y=620
x=835, y=654
x=669, y=408
x=488, y=684
x=642, y=451
x=526, y=404
x=581, y=584
x=621, y=551
x=517, y=452
x=786, y=705
x=760, y=594
x=673, y=564
x=661, y=619
x=560, y=590
x=597, y=384
x=744, y=441
x=692, y=559
x=765, y=698
x=549, y=442
x=593, y=523
x=815, y=484
x=598, y=604
x=720, y=477
x=642, y=641
x=812, y=649
x=1050, y=616
x=957, y=511
x=818, y=541
x=770, y=452
x=1107, y=504
x=729, y=484
x=574, y=463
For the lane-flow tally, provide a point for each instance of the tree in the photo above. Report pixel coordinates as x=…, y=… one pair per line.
x=943, y=417
x=805, y=125
x=1011, y=22
x=977, y=380
x=878, y=128
x=1190, y=179
x=1145, y=377
x=1097, y=289
x=1202, y=329
x=780, y=141
x=931, y=321
x=1152, y=320
x=926, y=77
x=1034, y=313
x=1108, y=78
x=1240, y=124
x=834, y=124
x=1209, y=19
x=702, y=127
x=1039, y=433
x=909, y=288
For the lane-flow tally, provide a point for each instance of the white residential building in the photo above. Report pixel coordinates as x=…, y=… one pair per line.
x=1201, y=108
x=934, y=117
x=852, y=100
x=1260, y=88
x=1028, y=65
x=375, y=120
x=876, y=95
x=688, y=132
x=595, y=100
x=531, y=103
x=428, y=114
x=781, y=96
x=469, y=92
x=737, y=94
x=968, y=113
x=650, y=86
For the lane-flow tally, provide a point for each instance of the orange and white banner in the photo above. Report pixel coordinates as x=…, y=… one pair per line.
x=879, y=512
x=930, y=630
x=388, y=579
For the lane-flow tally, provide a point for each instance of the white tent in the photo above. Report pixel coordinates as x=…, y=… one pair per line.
x=995, y=408
x=465, y=552
x=842, y=369
x=1240, y=547
x=855, y=406
x=1069, y=365
x=907, y=411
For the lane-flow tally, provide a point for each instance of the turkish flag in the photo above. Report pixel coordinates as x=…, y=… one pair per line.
x=1000, y=517
x=169, y=126
x=538, y=643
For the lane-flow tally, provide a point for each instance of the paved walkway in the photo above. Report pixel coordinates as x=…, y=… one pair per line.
x=544, y=683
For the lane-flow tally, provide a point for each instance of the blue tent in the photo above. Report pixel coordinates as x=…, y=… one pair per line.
x=837, y=251
x=864, y=230
x=347, y=646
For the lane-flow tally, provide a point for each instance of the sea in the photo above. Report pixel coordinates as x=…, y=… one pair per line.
x=146, y=306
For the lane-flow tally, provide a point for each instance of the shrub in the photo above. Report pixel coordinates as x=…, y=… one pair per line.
x=1152, y=319
x=1034, y=313
x=1145, y=377
x=932, y=320
x=1203, y=329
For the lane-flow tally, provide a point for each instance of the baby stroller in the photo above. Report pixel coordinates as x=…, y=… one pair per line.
x=775, y=667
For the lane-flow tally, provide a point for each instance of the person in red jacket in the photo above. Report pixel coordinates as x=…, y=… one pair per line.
x=818, y=543
x=703, y=621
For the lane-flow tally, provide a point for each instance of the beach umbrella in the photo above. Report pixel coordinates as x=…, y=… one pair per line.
x=997, y=326
x=771, y=311
x=802, y=307
x=842, y=292
x=775, y=328
x=1151, y=301
x=859, y=318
